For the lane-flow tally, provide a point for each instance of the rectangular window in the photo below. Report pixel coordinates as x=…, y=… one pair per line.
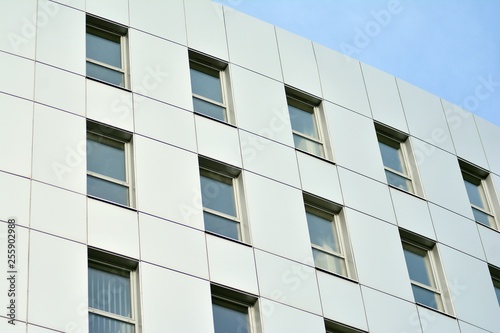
x=234, y=312
x=208, y=85
x=328, y=236
x=334, y=327
x=112, y=297
x=221, y=194
x=425, y=272
x=106, y=45
x=109, y=164
x=306, y=129
x=476, y=184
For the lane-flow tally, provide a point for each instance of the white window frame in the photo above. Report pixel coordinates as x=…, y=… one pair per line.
x=474, y=178
x=314, y=110
x=201, y=63
x=434, y=265
x=228, y=298
x=332, y=212
x=94, y=131
x=216, y=169
x=110, y=266
x=104, y=28
x=389, y=141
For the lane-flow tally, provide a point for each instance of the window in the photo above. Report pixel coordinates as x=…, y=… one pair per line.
x=334, y=327
x=112, y=296
x=234, y=312
x=328, y=236
x=108, y=164
x=395, y=151
x=208, y=84
x=476, y=183
x=220, y=192
x=306, y=129
x=495, y=277
x=106, y=51
x=424, y=269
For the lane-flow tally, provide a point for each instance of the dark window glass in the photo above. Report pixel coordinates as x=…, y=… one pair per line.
x=104, y=47
x=230, y=318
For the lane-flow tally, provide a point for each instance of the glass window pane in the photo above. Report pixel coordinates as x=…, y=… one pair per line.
x=392, y=157
x=483, y=218
x=206, y=85
x=419, y=267
x=105, y=48
x=221, y=226
x=209, y=109
x=230, y=319
x=323, y=233
x=100, y=324
x=426, y=297
x=107, y=190
x=105, y=74
x=398, y=181
x=109, y=292
x=476, y=194
x=303, y=121
x=329, y=262
x=308, y=145
x=106, y=157
x=218, y=194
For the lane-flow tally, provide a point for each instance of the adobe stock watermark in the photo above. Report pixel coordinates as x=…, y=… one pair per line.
x=29, y=25
x=455, y=117
x=363, y=37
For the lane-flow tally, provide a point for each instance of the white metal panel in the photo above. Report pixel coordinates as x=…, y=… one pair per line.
x=170, y=299
x=277, y=218
x=59, y=149
x=342, y=80
x=106, y=221
x=61, y=41
x=218, y=141
x=232, y=264
x=18, y=31
x=160, y=18
x=17, y=122
x=287, y=282
x=18, y=75
x=161, y=190
x=173, y=246
x=61, y=307
x=279, y=318
x=59, y=212
x=113, y=10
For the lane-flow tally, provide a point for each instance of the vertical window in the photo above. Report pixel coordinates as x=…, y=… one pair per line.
x=220, y=192
x=306, y=129
x=106, y=52
x=108, y=164
x=112, y=298
x=400, y=169
x=208, y=86
x=328, y=236
x=425, y=272
x=234, y=312
x=396, y=169
x=476, y=185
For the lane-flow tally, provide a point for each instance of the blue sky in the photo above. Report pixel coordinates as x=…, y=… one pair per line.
x=450, y=48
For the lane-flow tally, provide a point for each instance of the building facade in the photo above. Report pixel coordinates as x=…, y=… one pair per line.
x=178, y=166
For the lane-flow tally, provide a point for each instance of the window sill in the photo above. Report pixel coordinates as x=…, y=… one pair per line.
x=407, y=192
x=111, y=202
x=313, y=155
x=336, y=275
x=435, y=310
x=108, y=84
x=214, y=119
x=227, y=238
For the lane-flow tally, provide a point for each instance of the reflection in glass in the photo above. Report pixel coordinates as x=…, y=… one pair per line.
x=230, y=319
x=107, y=190
x=218, y=194
x=303, y=121
x=221, y=225
x=209, y=109
x=206, y=84
x=105, y=74
x=104, y=47
x=106, y=157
